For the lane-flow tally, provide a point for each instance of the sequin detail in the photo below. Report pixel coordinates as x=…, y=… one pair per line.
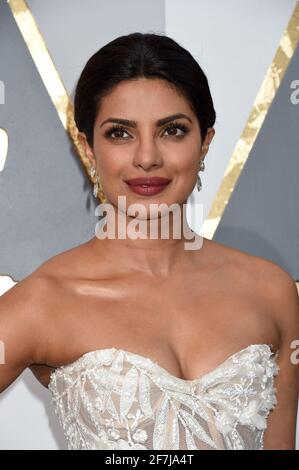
x=115, y=399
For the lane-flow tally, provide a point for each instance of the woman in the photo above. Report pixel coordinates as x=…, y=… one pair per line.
x=144, y=343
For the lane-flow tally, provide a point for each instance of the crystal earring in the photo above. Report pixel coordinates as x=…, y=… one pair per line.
x=201, y=168
x=92, y=172
x=97, y=189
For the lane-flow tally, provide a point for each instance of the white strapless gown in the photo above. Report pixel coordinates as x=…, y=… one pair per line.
x=115, y=399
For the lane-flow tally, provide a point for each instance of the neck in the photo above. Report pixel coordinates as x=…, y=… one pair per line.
x=156, y=244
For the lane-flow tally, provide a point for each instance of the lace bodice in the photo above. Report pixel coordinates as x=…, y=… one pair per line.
x=115, y=399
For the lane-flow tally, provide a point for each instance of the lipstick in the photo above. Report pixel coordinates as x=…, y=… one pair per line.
x=148, y=186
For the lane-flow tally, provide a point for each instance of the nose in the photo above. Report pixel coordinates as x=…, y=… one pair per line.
x=147, y=154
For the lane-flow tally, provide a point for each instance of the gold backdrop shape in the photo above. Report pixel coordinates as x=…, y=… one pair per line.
x=49, y=75
x=261, y=105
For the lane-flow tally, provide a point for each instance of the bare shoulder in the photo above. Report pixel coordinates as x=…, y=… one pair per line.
x=23, y=326
x=23, y=309
x=62, y=263
x=266, y=282
x=73, y=263
x=278, y=287
x=29, y=315
x=28, y=304
x=262, y=274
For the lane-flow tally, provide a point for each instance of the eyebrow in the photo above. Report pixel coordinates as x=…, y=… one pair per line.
x=160, y=122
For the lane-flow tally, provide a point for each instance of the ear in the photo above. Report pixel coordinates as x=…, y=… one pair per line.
x=86, y=147
x=208, y=139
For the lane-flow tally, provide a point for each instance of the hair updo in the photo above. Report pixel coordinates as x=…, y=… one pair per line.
x=141, y=55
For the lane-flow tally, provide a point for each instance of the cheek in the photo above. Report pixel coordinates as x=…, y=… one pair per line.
x=187, y=166
x=185, y=156
x=109, y=165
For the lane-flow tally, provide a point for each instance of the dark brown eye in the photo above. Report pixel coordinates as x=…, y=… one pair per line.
x=117, y=130
x=173, y=128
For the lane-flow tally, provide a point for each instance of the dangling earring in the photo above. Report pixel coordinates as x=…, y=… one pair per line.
x=201, y=168
x=92, y=172
x=97, y=189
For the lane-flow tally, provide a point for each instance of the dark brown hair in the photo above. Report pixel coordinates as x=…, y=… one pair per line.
x=141, y=55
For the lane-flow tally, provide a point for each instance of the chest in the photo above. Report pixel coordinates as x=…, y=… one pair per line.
x=187, y=326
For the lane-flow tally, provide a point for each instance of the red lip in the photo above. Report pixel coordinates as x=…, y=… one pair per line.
x=153, y=181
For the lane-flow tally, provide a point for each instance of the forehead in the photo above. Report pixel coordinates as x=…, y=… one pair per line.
x=133, y=98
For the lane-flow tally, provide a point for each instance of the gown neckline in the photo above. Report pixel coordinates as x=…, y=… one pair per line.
x=160, y=368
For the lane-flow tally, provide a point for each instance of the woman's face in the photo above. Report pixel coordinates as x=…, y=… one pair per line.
x=142, y=147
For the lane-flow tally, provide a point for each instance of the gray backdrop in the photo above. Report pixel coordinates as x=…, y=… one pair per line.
x=262, y=216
